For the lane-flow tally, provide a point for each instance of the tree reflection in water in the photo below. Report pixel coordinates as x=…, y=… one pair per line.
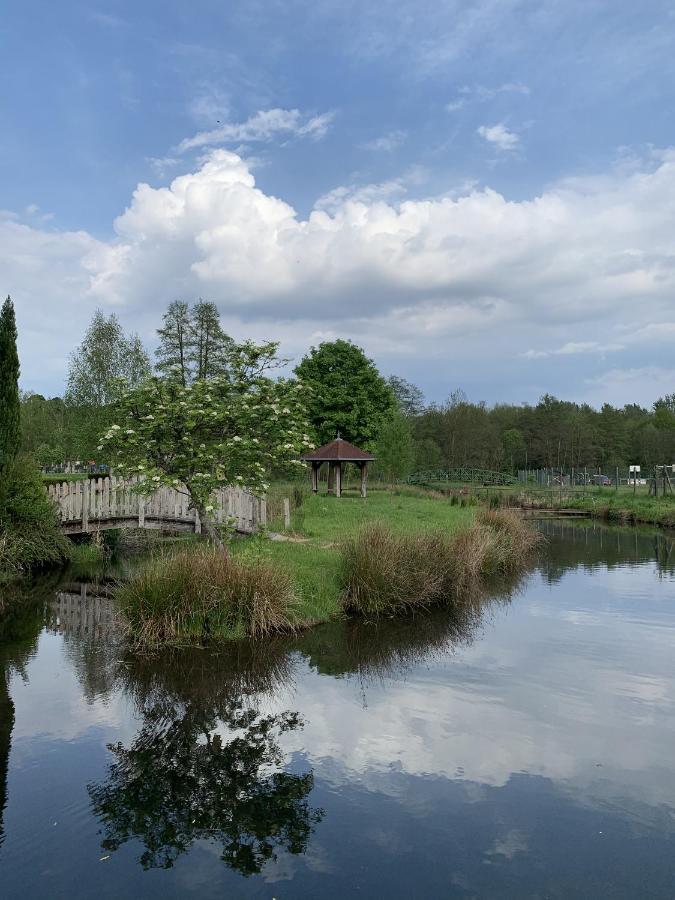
x=21, y=614
x=206, y=765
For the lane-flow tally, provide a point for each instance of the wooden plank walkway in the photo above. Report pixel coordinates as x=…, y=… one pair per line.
x=96, y=504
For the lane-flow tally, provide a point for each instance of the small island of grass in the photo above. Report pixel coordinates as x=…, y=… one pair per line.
x=390, y=555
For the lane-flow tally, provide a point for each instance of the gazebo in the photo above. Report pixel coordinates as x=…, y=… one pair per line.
x=335, y=453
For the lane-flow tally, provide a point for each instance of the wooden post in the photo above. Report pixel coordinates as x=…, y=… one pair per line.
x=85, y=505
x=331, y=477
x=315, y=477
x=338, y=479
x=617, y=477
x=141, y=511
x=364, y=469
x=287, y=513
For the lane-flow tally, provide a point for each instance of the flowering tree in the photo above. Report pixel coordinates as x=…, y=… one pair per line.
x=210, y=434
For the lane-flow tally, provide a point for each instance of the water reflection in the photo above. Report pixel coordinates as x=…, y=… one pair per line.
x=519, y=747
x=21, y=618
x=589, y=546
x=205, y=764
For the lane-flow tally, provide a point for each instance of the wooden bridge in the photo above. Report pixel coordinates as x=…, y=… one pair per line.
x=94, y=504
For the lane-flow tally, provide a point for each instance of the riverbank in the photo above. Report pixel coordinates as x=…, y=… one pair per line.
x=388, y=555
x=622, y=507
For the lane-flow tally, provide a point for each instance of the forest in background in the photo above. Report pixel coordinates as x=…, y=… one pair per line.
x=388, y=415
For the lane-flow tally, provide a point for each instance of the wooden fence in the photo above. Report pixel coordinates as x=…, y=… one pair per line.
x=100, y=503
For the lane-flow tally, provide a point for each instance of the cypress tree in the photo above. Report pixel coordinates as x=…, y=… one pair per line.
x=9, y=389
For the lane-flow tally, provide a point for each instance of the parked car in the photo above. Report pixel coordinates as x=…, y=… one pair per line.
x=602, y=480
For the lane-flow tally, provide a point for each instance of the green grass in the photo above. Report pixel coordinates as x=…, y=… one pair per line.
x=310, y=576
x=325, y=518
x=312, y=559
x=314, y=571
x=73, y=476
x=626, y=508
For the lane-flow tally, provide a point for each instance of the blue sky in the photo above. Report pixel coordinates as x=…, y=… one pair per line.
x=481, y=194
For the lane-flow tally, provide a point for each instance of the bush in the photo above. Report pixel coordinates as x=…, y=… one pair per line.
x=514, y=538
x=30, y=537
x=387, y=572
x=384, y=572
x=200, y=594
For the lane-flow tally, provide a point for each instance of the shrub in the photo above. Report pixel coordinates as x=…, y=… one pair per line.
x=88, y=556
x=513, y=540
x=200, y=593
x=29, y=531
x=385, y=572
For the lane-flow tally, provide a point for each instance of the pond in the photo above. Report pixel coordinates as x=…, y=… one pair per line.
x=522, y=749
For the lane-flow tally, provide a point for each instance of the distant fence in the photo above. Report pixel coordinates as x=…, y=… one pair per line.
x=580, y=477
x=461, y=475
x=102, y=503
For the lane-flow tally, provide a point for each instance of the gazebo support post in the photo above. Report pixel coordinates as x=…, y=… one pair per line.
x=337, y=454
x=364, y=469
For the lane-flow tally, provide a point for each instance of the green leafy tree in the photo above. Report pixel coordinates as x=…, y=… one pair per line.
x=211, y=347
x=229, y=430
x=10, y=434
x=106, y=359
x=395, y=449
x=348, y=394
x=46, y=428
x=514, y=445
x=192, y=343
x=410, y=398
x=173, y=352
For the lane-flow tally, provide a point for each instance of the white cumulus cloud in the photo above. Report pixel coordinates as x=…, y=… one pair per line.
x=264, y=126
x=500, y=136
x=452, y=278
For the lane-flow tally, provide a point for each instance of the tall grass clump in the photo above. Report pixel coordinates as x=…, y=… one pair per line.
x=387, y=573
x=198, y=594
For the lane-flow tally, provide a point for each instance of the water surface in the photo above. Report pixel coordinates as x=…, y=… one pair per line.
x=522, y=749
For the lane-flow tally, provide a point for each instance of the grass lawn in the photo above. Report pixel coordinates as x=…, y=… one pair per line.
x=72, y=476
x=319, y=524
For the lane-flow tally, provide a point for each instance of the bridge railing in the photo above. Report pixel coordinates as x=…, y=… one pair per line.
x=112, y=502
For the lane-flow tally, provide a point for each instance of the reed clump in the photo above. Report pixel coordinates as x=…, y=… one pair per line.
x=197, y=594
x=384, y=572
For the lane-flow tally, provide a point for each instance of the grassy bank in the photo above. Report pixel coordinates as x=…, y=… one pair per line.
x=384, y=556
x=627, y=509
x=623, y=506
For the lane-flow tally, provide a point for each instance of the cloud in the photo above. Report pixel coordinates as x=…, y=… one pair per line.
x=479, y=93
x=386, y=142
x=450, y=278
x=499, y=136
x=161, y=165
x=390, y=190
x=641, y=385
x=264, y=126
x=572, y=348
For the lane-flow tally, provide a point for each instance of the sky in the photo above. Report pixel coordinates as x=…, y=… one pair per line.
x=480, y=194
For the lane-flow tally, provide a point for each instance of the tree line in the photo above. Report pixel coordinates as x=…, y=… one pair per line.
x=347, y=395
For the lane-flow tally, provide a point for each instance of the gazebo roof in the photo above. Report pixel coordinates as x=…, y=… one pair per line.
x=338, y=450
